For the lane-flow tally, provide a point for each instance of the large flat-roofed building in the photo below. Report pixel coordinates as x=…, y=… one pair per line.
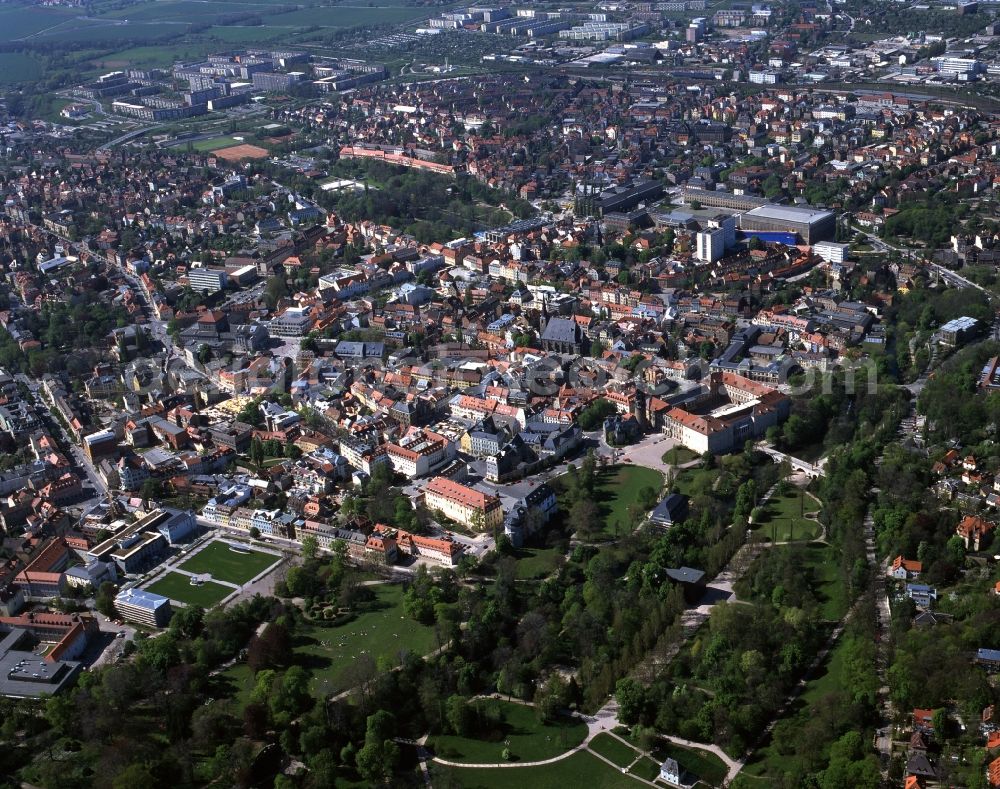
x=810, y=224
x=136, y=552
x=958, y=330
x=99, y=444
x=207, y=280
x=135, y=546
x=831, y=252
x=293, y=322
x=24, y=671
x=463, y=504
x=145, y=608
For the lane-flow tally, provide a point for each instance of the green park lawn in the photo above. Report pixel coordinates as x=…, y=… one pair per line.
x=613, y=749
x=679, y=455
x=528, y=739
x=236, y=568
x=617, y=488
x=178, y=587
x=828, y=585
x=645, y=768
x=581, y=770
x=379, y=629
x=536, y=563
x=781, y=520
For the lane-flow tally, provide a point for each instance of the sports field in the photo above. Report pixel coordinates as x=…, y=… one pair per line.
x=243, y=151
x=220, y=562
x=213, y=143
x=179, y=587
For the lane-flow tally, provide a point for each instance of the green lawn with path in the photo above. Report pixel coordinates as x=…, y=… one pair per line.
x=645, y=768
x=581, y=770
x=535, y=563
x=528, y=739
x=178, y=587
x=221, y=562
x=613, y=749
x=379, y=629
x=617, y=488
x=782, y=520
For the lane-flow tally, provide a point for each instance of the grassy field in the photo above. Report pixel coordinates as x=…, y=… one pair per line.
x=213, y=144
x=529, y=739
x=781, y=520
x=80, y=32
x=179, y=11
x=828, y=585
x=645, y=768
x=580, y=770
x=679, y=455
x=251, y=35
x=348, y=16
x=380, y=629
x=535, y=563
x=329, y=652
x=617, y=488
x=226, y=565
x=178, y=587
x=18, y=67
x=18, y=22
x=613, y=749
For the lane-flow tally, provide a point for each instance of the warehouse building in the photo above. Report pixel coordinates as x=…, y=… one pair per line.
x=809, y=224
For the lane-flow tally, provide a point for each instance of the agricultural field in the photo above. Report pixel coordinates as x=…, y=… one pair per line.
x=19, y=22
x=18, y=67
x=349, y=16
x=220, y=562
x=178, y=587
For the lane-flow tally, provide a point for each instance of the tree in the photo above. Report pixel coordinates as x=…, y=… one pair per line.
x=271, y=649
x=551, y=698
x=104, y=601
x=460, y=716
x=275, y=290
x=310, y=547
x=631, y=698
x=135, y=776
x=377, y=759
